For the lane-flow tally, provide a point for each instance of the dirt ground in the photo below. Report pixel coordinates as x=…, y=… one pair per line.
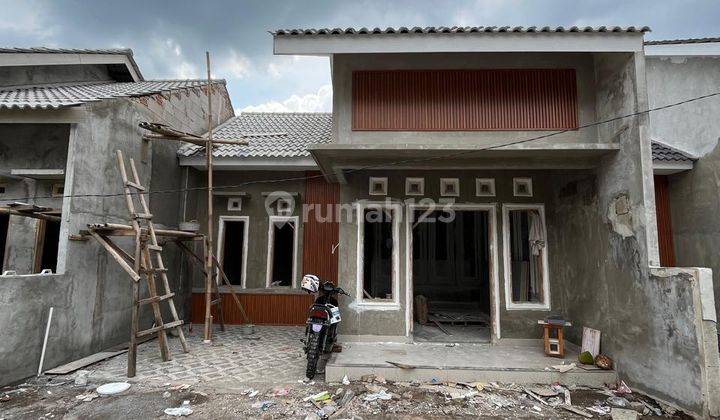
x=373, y=398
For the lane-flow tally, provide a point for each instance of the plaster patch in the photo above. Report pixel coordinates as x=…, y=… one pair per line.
x=620, y=215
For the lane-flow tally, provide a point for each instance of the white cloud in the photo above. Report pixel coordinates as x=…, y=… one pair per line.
x=234, y=64
x=169, y=56
x=29, y=22
x=312, y=102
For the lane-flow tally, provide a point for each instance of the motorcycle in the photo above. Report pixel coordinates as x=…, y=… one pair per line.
x=322, y=322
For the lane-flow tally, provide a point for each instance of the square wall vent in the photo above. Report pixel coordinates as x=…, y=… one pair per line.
x=449, y=187
x=234, y=204
x=378, y=185
x=414, y=186
x=485, y=187
x=522, y=187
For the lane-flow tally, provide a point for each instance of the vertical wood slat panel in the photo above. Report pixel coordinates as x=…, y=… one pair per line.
x=321, y=231
x=262, y=308
x=664, y=222
x=467, y=100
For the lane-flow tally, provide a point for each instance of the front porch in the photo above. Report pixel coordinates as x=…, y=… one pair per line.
x=509, y=361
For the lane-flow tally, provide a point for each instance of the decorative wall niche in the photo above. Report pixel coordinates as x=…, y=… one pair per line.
x=414, y=186
x=378, y=185
x=234, y=204
x=449, y=187
x=522, y=187
x=485, y=187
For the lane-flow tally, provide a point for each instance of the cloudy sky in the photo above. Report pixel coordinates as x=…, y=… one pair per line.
x=169, y=38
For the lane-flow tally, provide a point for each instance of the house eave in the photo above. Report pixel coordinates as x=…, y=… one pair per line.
x=670, y=168
x=252, y=163
x=459, y=42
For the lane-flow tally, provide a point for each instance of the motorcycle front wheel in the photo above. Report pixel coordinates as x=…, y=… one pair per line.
x=313, y=354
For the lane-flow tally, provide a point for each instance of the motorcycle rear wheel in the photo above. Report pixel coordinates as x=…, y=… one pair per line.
x=313, y=354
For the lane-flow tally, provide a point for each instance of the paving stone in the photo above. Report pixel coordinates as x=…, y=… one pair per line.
x=276, y=357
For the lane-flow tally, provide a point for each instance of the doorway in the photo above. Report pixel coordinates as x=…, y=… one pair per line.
x=233, y=248
x=451, y=272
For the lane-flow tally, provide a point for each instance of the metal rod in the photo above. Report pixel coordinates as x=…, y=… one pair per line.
x=209, y=250
x=44, y=347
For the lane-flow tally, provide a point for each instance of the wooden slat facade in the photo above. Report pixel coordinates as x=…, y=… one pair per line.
x=464, y=100
x=321, y=234
x=262, y=308
x=664, y=222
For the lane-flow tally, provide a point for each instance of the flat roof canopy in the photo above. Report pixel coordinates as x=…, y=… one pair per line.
x=334, y=159
x=418, y=40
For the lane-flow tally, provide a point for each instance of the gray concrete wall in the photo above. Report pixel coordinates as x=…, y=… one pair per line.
x=38, y=75
x=254, y=207
x=29, y=146
x=551, y=188
x=695, y=128
x=92, y=298
x=343, y=65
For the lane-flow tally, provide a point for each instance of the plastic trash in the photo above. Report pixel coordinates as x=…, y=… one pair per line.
x=113, y=388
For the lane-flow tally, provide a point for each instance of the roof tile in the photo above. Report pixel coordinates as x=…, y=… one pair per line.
x=456, y=29
x=57, y=96
x=269, y=135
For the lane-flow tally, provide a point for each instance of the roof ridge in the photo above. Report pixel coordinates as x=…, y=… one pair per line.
x=457, y=29
x=51, y=50
x=683, y=41
x=285, y=113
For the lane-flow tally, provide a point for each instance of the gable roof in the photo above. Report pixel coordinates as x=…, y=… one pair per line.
x=270, y=134
x=664, y=153
x=127, y=52
x=456, y=29
x=58, y=96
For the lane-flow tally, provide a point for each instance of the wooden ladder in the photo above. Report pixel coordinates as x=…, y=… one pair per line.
x=148, y=262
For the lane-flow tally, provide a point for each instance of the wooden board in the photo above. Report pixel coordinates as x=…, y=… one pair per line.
x=85, y=361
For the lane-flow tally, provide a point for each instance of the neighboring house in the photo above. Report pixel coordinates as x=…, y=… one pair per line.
x=63, y=113
x=676, y=71
x=439, y=122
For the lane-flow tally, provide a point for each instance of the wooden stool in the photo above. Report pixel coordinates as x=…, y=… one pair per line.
x=553, y=338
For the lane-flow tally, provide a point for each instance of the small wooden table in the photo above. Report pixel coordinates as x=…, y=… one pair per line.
x=553, y=337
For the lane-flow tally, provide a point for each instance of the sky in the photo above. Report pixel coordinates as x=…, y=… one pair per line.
x=169, y=38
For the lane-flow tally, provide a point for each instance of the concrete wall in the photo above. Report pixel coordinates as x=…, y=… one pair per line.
x=693, y=127
x=343, y=65
x=550, y=188
x=29, y=146
x=38, y=75
x=92, y=297
x=253, y=206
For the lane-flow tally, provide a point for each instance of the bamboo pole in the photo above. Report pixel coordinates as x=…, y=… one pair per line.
x=209, y=236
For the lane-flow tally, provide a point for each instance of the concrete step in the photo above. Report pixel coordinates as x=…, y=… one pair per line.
x=461, y=363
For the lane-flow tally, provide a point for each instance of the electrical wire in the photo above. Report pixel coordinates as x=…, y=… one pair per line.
x=385, y=164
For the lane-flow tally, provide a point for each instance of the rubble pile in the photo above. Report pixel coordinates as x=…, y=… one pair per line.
x=371, y=396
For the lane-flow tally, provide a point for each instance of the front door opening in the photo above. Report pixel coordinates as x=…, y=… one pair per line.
x=282, y=252
x=233, y=250
x=451, y=276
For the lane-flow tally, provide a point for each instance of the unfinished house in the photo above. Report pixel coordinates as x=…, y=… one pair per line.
x=687, y=159
x=63, y=114
x=489, y=176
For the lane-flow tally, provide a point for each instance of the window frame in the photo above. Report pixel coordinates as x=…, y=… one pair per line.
x=507, y=274
x=270, y=253
x=361, y=300
x=221, y=245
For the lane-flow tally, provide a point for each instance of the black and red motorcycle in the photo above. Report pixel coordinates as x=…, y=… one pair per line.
x=322, y=322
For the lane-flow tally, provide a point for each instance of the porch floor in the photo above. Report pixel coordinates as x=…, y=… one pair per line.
x=462, y=362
